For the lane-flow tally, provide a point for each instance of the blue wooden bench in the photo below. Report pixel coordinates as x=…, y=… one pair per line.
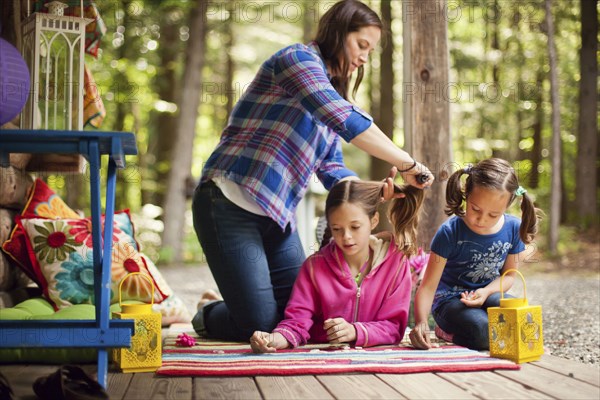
x=101, y=333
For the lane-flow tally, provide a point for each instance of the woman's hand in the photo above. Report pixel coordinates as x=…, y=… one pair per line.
x=265, y=342
x=339, y=331
x=419, y=336
x=388, y=188
x=474, y=298
x=416, y=176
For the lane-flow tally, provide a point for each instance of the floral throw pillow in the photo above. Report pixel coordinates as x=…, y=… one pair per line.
x=42, y=202
x=62, y=258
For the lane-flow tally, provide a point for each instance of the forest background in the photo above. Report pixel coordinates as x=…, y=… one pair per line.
x=498, y=93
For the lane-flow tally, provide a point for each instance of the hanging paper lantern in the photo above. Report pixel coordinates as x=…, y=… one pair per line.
x=14, y=82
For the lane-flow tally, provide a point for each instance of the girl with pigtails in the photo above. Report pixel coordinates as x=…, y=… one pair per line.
x=356, y=289
x=470, y=252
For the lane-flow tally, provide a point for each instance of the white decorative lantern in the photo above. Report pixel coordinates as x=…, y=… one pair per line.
x=56, y=8
x=53, y=47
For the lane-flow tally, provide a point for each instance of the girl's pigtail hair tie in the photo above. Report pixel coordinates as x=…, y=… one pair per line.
x=520, y=191
x=467, y=170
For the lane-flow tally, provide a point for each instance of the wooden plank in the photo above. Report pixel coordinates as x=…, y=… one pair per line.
x=21, y=377
x=424, y=386
x=11, y=373
x=552, y=383
x=225, y=388
x=583, y=372
x=147, y=385
x=291, y=387
x=118, y=383
x=489, y=385
x=358, y=386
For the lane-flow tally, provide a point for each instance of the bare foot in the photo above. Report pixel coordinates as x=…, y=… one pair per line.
x=208, y=295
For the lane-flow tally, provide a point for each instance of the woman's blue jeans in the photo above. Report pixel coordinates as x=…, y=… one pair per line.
x=468, y=325
x=253, y=262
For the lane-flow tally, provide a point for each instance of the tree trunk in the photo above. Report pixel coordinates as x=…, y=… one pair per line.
x=427, y=110
x=123, y=89
x=230, y=68
x=384, y=109
x=586, y=199
x=515, y=152
x=496, y=43
x=308, y=20
x=160, y=148
x=175, y=199
x=555, y=185
x=385, y=118
x=536, y=151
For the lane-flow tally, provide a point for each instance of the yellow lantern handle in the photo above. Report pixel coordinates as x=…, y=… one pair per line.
x=149, y=280
x=522, y=278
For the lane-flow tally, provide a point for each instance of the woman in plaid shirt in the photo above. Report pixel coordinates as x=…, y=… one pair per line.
x=287, y=126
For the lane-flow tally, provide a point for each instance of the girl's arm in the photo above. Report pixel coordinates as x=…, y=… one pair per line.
x=302, y=306
x=377, y=144
x=293, y=330
x=419, y=336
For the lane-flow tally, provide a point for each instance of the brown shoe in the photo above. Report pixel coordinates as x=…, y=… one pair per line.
x=69, y=382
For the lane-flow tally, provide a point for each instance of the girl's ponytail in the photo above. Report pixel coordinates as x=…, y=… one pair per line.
x=326, y=237
x=404, y=216
x=454, y=193
x=403, y=212
x=530, y=216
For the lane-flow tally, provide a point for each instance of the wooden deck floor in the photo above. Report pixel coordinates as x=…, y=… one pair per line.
x=549, y=378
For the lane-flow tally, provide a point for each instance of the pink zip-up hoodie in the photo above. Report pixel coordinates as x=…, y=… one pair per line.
x=325, y=288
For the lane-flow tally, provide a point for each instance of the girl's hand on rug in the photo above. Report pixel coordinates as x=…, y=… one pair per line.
x=265, y=342
x=339, y=331
x=419, y=336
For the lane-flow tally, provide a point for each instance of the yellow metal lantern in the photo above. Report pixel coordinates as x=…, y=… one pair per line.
x=144, y=355
x=515, y=328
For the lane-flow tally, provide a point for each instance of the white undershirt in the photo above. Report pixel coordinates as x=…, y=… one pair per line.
x=238, y=196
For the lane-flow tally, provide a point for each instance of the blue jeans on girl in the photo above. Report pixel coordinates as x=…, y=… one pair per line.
x=254, y=264
x=468, y=325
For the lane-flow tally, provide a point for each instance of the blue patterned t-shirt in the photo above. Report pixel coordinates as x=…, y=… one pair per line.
x=473, y=260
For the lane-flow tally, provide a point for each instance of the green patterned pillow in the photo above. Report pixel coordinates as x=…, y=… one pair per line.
x=61, y=253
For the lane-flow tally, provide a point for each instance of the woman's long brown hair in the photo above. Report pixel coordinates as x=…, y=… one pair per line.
x=342, y=18
x=403, y=212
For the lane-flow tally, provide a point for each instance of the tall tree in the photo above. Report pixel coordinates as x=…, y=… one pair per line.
x=536, y=151
x=555, y=185
x=230, y=65
x=160, y=146
x=586, y=199
x=181, y=161
x=308, y=20
x=385, y=118
x=385, y=104
x=427, y=112
x=122, y=86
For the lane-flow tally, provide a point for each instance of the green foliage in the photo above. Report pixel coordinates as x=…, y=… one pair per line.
x=496, y=55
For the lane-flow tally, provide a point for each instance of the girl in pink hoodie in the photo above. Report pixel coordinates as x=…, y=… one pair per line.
x=356, y=288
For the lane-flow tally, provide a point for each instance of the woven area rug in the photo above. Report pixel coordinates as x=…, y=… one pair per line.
x=216, y=358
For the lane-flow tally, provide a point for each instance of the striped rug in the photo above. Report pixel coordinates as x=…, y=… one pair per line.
x=216, y=358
